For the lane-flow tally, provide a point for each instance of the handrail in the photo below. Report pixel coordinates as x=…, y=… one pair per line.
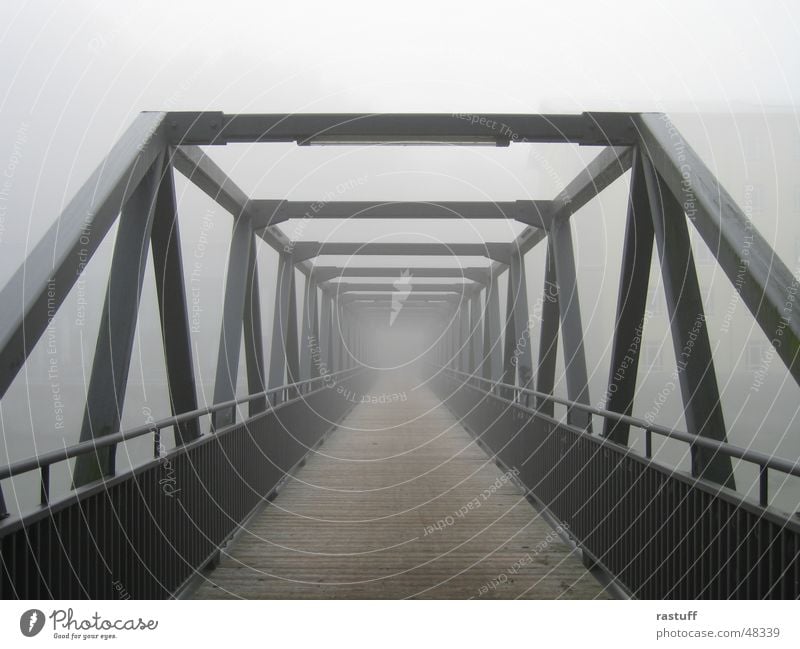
x=44, y=460
x=765, y=462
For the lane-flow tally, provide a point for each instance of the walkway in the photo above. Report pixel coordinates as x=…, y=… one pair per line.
x=399, y=502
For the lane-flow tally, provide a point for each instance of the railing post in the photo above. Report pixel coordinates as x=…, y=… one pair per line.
x=697, y=378
x=109, y=378
x=3, y=509
x=763, y=486
x=165, y=242
x=629, y=324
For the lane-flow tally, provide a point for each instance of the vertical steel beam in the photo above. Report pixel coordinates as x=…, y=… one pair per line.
x=521, y=321
x=475, y=333
x=571, y=327
x=548, y=333
x=253, y=337
x=492, y=342
x=334, y=336
x=344, y=319
x=283, y=360
x=695, y=364
x=517, y=365
x=340, y=338
x=336, y=346
x=310, y=327
x=233, y=312
x=277, y=358
x=351, y=340
x=292, y=335
x=510, y=337
x=325, y=337
x=112, y=357
x=631, y=305
x=171, y=292
x=455, y=331
x=450, y=343
x=463, y=337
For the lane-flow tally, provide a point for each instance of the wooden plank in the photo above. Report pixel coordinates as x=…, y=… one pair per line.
x=375, y=514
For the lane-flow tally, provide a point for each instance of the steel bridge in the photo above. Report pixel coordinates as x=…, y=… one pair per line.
x=563, y=470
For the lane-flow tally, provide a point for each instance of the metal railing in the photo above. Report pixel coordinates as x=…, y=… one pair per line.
x=151, y=528
x=42, y=462
x=661, y=533
x=765, y=462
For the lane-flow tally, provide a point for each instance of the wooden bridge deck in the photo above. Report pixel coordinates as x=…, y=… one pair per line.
x=399, y=502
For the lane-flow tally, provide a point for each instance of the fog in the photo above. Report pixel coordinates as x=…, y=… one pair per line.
x=76, y=74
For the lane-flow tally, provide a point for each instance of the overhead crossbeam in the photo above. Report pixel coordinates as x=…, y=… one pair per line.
x=322, y=274
x=217, y=128
x=387, y=298
x=273, y=212
x=344, y=288
x=303, y=250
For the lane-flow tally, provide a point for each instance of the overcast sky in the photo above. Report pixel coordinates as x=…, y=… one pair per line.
x=422, y=56
x=75, y=73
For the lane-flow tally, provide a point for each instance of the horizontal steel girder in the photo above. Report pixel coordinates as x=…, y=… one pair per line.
x=480, y=274
x=303, y=250
x=273, y=212
x=388, y=298
x=218, y=128
x=341, y=288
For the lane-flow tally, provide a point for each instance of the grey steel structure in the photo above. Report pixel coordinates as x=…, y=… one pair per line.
x=661, y=533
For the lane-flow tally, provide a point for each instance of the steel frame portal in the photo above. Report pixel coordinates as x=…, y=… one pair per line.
x=648, y=138
x=135, y=185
